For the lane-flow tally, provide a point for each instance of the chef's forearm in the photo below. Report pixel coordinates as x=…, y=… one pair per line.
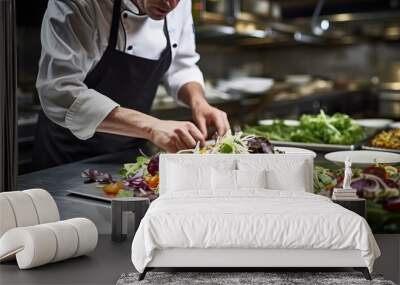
x=192, y=94
x=127, y=122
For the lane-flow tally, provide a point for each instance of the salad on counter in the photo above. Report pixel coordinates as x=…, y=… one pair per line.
x=336, y=129
x=141, y=178
x=138, y=179
x=378, y=184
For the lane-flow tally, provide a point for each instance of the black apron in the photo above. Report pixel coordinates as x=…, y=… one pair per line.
x=129, y=80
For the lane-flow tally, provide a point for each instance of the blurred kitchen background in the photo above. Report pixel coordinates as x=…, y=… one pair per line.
x=263, y=59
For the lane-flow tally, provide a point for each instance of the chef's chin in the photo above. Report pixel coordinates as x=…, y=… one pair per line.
x=156, y=15
x=156, y=18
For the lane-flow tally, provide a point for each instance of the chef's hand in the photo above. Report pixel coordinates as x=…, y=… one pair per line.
x=168, y=135
x=173, y=136
x=205, y=115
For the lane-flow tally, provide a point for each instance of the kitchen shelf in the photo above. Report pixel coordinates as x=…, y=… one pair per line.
x=344, y=29
x=223, y=32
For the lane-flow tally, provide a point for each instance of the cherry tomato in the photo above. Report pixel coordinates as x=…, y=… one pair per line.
x=113, y=188
x=153, y=182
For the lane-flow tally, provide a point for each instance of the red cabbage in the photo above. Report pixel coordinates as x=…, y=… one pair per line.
x=152, y=167
x=93, y=175
x=260, y=145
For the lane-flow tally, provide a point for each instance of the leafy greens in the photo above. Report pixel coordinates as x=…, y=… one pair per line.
x=321, y=128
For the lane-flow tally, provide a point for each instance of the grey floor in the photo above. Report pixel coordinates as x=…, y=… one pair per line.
x=103, y=266
x=110, y=259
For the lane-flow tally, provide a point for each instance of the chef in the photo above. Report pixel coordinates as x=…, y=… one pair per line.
x=101, y=64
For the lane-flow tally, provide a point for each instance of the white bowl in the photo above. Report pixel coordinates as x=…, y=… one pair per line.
x=363, y=157
x=374, y=123
x=250, y=85
x=395, y=125
x=268, y=122
x=289, y=150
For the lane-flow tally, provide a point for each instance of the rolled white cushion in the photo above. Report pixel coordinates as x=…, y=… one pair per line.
x=37, y=245
x=46, y=207
x=66, y=239
x=33, y=246
x=23, y=208
x=87, y=235
x=7, y=218
x=26, y=208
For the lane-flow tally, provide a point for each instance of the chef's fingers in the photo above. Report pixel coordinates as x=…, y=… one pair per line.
x=219, y=122
x=227, y=127
x=177, y=139
x=226, y=121
x=186, y=138
x=202, y=125
x=171, y=147
x=197, y=134
x=180, y=145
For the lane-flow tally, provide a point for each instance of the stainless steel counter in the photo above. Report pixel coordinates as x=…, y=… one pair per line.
x=58, y=180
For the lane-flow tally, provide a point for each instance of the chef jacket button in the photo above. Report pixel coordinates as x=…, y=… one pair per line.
x=130, y=47
x=174, y=45
x=125, y=15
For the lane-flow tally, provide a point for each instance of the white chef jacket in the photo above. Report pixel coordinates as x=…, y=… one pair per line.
x=74, y=37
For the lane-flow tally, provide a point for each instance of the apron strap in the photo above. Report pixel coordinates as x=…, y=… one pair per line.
x=166, y=33
x=112, y=40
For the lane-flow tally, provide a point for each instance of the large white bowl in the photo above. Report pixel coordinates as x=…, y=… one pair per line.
x=268, y=122
x=395, y=125
x=251, y=85
x=288, y=150
x=363, y=157
x=374, y=123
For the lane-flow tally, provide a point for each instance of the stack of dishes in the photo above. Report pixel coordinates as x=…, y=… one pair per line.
x=344, y=194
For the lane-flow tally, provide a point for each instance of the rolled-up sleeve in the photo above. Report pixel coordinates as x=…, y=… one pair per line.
x=69, y=52
x=184, y=67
